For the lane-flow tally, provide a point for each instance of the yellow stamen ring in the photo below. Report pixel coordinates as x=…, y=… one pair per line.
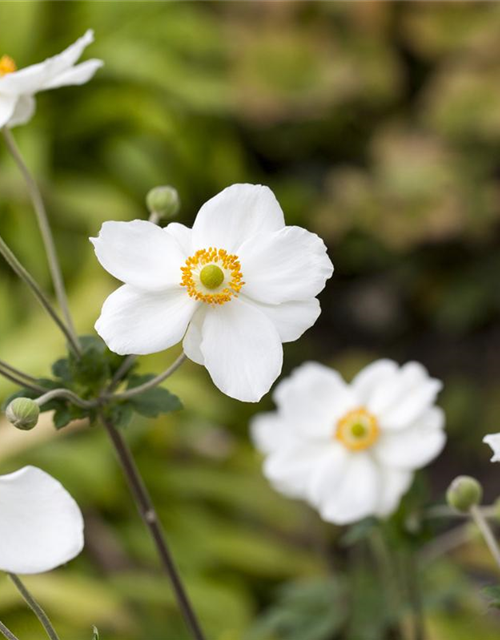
x=212, y=275
x=7, y=65
x=358, y=429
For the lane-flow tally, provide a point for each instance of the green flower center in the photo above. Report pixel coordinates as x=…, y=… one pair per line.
x=358, y=430
x=211, y=276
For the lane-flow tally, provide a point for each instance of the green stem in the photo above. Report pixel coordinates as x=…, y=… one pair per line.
x=35, y=607
x=7, y=633
x=17, y=372
x=411, y=574
x=43, y=223
x=18, y=268
x=68, y=395
x=154, y=382
x=388, y=575
x=486, y=531
x=20, y=382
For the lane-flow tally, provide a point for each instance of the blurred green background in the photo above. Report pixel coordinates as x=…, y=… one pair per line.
x=378, y=126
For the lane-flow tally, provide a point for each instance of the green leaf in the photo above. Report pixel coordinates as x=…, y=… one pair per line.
x=95, y=633
x=492, y=593
x=121, y=414
x=153, y=402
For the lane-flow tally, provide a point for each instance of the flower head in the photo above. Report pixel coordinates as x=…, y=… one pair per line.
x=18, y=87
x=41, y=526
x=493, y=440
x=350, y=450
x=233, y=288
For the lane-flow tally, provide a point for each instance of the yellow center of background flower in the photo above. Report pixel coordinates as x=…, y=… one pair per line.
x=357, y=430
x=212, y=275
x=7, y=65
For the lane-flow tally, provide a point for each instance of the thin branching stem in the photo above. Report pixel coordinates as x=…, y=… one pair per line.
x=7, y=633
x=150, y=518
x=35, y=607
x=17, y=372
x=20, y=381
x=19, y=270
x=66, y=394
x=151, y=384
x=486, y=532
x=46, y=233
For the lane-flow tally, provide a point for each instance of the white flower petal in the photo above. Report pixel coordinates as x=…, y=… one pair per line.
x=25, y=108
x=271, y=433
x=36, y=77
x=493, y=440
x=139, y=322
x=183, y=235
x=291, y=468
x=345, y=486
x=416, y=445
x=141, y=254
x=289, y=264
x=394, y=484
x=192, y=340
x=291, y=319
x=41, y=526
x=236, y=214
x=242, y=350
x=7, y=107
x=78, y=75
x=312, y=399
x=398, y=400
x=372, y=378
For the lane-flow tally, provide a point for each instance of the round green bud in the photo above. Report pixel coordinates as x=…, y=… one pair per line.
x=212, y=276
x=164, y=201
x=463, y=493
x=23, y=413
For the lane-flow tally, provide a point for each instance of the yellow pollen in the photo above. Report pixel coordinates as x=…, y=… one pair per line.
x=212, y=276
x=357, y=430
x=7, y=65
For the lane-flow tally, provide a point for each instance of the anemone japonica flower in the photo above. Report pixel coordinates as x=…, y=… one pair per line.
x=41, y=526
x=18, y=88
x=493, y=440
x=233, y=288
x=350, y=450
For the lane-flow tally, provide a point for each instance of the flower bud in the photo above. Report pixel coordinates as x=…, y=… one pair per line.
x=23, y=413
x=463, y=493
x=164, y=201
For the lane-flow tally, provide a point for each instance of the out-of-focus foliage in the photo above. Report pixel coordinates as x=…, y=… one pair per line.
x=377, y=124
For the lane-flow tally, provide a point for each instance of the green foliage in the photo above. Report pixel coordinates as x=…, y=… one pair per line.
x=377, y=126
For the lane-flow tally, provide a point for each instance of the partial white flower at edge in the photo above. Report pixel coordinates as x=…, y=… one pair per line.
x=350, y=450
x=493, y=440
x=18, y=88
x=233, y=288
x=41, y=526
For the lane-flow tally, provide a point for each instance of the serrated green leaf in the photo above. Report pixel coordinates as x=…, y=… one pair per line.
x=153, y=402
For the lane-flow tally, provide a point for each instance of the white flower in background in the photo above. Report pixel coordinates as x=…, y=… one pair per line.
x=233, y=288
x=493, y=440
x=18, y=88
x=41, y=526
x=350, y=450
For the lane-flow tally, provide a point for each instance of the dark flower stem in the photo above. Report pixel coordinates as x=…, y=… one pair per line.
x=46, y=233
x=7, y=633
x=149, y=516
x=35, y=607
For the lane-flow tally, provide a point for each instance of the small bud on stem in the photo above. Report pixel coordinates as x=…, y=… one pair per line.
x=23, y=413
x=464, y=493
x=164, y=201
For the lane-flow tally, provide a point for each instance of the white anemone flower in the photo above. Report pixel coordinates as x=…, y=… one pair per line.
x=350, y=450
x=18, y=88
x=41, y=526
x=233, y=288
x=493, y=440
